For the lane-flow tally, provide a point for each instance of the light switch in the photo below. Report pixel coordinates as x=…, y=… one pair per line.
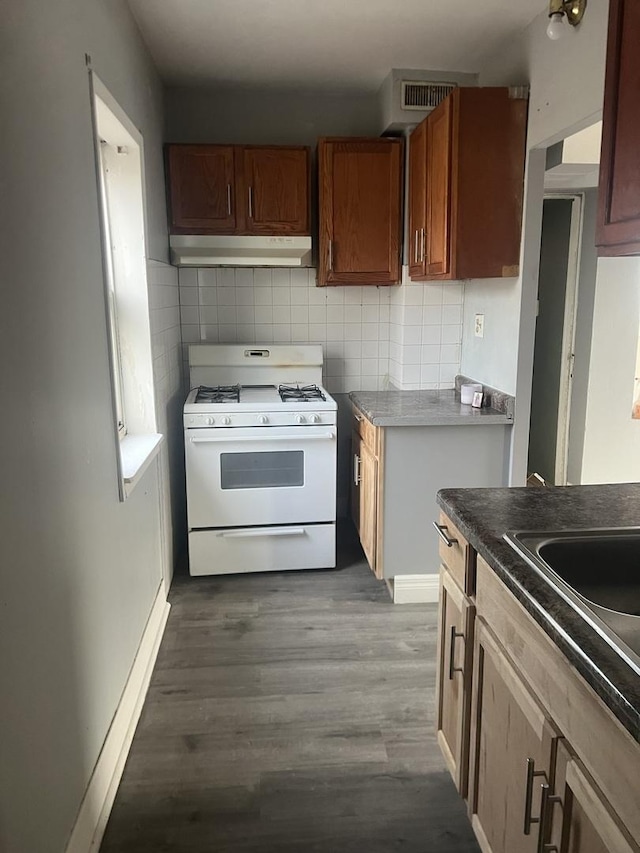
x=479, y=326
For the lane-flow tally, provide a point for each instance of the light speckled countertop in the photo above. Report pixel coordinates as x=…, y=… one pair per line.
x=422, y=408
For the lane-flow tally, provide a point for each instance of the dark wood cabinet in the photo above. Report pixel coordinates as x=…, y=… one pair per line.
x=438, y=238
x=202, y=189
x=360, y=211
x=229, y=189
x=466, y=183
x=276, y=183
x=418, y=200
x=618, y=227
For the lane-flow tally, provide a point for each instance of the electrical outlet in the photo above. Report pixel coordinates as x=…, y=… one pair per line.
x=479, y=326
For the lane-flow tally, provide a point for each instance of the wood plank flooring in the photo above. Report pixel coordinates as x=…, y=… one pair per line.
x=290, y=713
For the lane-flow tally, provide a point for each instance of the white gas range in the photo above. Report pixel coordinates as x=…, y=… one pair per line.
x=260, y=450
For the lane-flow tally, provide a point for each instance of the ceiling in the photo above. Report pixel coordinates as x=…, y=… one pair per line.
x=334, y=44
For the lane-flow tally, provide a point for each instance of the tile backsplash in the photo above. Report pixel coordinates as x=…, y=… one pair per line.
x=370, y=335
x=425, y=334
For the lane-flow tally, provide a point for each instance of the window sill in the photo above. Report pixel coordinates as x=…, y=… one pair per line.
x=137, y=452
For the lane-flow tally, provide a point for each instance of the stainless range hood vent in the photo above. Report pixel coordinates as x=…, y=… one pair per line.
x=194, y=250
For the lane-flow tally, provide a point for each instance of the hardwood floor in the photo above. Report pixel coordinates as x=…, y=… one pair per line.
x=290, y=713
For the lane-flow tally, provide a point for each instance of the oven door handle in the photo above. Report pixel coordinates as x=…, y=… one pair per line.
x=232, y=439
x=256, y=531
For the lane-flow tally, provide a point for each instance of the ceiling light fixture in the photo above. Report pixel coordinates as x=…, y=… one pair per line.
x=572, y=10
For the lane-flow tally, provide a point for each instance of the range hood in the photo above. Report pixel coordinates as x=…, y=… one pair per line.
x=193, y=250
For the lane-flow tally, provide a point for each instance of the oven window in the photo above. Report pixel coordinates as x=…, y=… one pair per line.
x=275, y=469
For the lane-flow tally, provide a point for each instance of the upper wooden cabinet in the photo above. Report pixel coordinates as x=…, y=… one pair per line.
x=417, y=199
x=360, y=211
x=618, y=227
x=466, y=181
x=202, y=189
x=225, y=189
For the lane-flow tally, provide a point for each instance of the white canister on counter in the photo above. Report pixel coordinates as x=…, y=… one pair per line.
x=467, y=392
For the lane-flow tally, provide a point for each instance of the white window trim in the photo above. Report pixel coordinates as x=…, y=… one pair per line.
x=137, y=444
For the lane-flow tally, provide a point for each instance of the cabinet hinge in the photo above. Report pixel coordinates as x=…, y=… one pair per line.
x=517, y=93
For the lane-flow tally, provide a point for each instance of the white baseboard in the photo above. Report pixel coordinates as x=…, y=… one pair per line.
x=101, y=791
x=416, y=589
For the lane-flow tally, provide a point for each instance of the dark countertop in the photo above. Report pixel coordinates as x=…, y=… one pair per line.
x=483, y=515
x=422, y=408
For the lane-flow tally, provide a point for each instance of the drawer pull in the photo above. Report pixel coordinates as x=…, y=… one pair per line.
x=443, y=533
x=532, y=774
x=546, y=808
x=452, y=653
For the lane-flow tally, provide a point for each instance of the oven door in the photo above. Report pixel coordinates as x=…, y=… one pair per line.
x=267, y=475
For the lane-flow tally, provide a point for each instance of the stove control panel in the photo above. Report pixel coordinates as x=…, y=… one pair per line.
x=253, y=419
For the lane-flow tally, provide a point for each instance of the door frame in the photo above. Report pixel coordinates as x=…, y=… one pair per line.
x=568, y=330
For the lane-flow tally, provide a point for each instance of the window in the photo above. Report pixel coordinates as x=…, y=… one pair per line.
x=121, y=189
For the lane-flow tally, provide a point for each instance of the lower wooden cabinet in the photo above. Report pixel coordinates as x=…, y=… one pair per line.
x=512, y=751
x=544, y=765
x=455, y=655
x=576, y=818
x=365, y=488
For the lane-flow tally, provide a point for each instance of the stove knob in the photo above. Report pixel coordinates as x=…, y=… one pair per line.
x=225, y=421
x=300, y=419
x=209, y=421
x=263, y=419
x=315, y=419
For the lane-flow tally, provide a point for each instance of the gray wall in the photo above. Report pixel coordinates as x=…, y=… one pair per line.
x=268, y=117
x=79, y=569
x=583, y=332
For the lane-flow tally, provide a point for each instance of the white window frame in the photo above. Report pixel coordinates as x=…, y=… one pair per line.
x=119, y=156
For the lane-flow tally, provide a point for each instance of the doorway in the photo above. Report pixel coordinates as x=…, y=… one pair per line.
x=554, y=351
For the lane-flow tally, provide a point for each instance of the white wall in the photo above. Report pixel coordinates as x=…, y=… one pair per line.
x=567, y=83
x=612, y=439
x=79, y=568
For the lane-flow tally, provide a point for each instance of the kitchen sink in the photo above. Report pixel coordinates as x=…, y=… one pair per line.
x=598, y=573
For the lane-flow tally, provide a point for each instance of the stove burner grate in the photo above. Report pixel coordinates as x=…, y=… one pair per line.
x=218, y=394
x=300, y=394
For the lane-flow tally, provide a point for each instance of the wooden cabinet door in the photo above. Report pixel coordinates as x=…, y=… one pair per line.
x=201, y=189
x=618, y=229
x=275, y=190
x=368, y=504
x=360, y=206
x=453, y=679
x=577, y=818
x=510, y=740
x=439, y=144
x=417, y=200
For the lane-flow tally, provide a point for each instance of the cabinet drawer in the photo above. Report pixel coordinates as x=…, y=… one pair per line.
x=366, y=430
x=459, y=557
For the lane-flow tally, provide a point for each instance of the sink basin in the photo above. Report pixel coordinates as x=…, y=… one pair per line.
x=598, y=573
